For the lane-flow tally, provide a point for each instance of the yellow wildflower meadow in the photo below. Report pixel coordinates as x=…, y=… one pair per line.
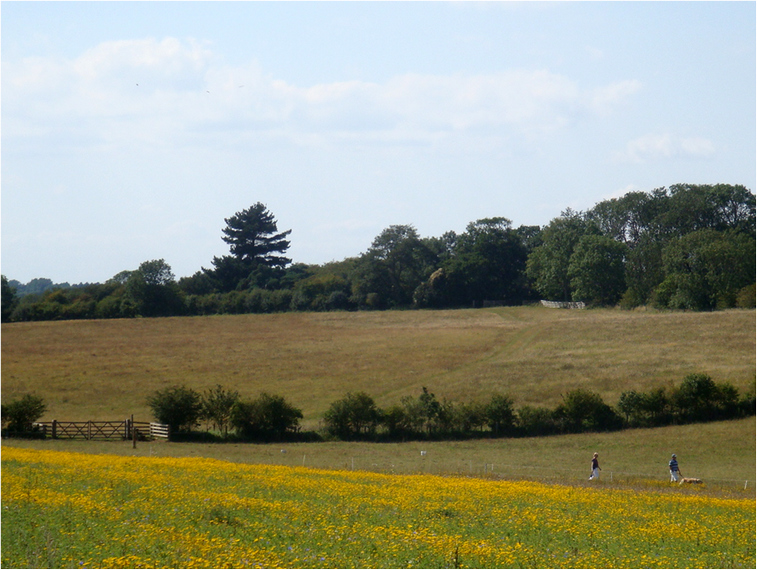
x=82, y=511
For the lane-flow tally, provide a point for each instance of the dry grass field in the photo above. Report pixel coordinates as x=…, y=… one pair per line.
x=105, y=369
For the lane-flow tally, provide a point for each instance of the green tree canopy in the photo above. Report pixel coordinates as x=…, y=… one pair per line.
x=256, y=247
x=20, y=414
x=706, y=269
x=548, y=264
x=153, y=291
x=354, y=415
x=266, y=417
x=597, y=270
x=8, y=299
x=397, y=262
x=178, y=406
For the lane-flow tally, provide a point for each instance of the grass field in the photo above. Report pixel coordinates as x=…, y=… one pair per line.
x=104, y=370
x=521, y=502
x=721, y=453
x=86, y=511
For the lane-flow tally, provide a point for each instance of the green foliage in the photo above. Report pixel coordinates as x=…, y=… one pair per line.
x=745, y=299
x=706, y=270
x=19, y=415
x=153, y=291
x=178, y=406
x=466, y=417
x=251, y=235
x=422, y=412
x=8, y=299
x=689, y=247
x=548, y=265
x=388, y=274
x=699, y=398
x=254, y=242
x=597, y=271
x=500, y=415
x=268, y=417
x=536, y=421
x=487, y=262
x=324, y=291
x=354, y=416
x=644, y=271
x=582, y=410
x=217, y=407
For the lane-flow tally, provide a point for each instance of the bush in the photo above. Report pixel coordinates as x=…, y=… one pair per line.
x=217, y=407
x=466, y=417
x=355, y=415
x=178, y=406
x=268, y=418
x=396, y=422
x=745, y=299
x=582, y=410
x=747, y=403
x=500, y=415
x=422, y=414
x=535, y=421
x=699, y=398
x=20, y=415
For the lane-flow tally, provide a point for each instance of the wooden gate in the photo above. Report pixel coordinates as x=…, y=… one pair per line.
x=108, y=430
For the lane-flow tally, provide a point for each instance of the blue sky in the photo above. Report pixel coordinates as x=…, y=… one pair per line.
x=130, y=130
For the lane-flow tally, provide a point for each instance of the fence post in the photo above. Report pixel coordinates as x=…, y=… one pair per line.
x=55, y=429
x=133, y=434
x=89, y=430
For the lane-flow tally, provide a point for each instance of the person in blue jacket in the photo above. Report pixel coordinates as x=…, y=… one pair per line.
x=675, y=472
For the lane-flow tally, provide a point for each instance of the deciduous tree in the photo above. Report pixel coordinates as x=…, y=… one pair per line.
x=597, y=270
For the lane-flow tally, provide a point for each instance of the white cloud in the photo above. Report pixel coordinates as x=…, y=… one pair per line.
x=137, y=91
x=654, y=147
x=605, y=99
x=620, y=192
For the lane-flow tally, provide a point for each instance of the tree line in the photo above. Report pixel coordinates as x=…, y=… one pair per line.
x=356, y=416
x=683, y=247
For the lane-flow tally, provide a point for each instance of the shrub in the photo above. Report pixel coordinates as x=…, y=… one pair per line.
x=582, y=410
x=396, y=422
x=467, y=417
x=535, y=421
x=20, y=415
x=747, y=403
x=695, y=397
x=500, y=415
x=355, y=415
x=422, y=413
x=645, y=409
x=630, y=405
x=699, y=398
x=178, y=406
x=268, y=417
x=745, y=298
x=217, y=406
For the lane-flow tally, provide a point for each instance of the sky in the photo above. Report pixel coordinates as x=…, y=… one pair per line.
x=131, y=130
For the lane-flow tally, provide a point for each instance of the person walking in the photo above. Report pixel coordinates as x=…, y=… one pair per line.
x=675, y=472
x=595, y=468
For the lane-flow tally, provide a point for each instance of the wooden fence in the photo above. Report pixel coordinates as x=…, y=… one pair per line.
x=564, y=304
x=125, y=429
